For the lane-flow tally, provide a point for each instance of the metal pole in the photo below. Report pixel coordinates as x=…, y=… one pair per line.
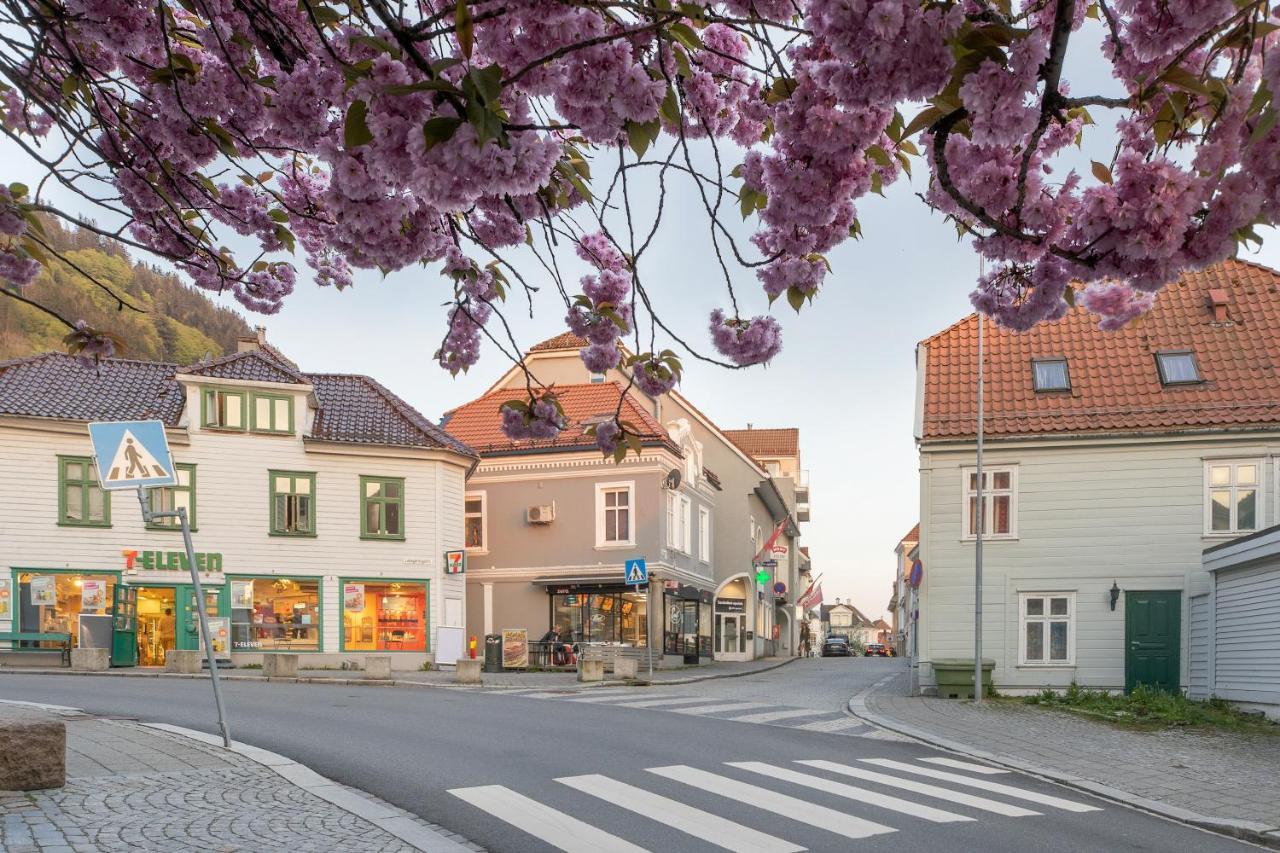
x=648, y=593
x=977, y=550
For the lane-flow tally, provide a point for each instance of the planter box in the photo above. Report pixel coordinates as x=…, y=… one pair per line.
x=955, y=677
x=591, y=670
x=91, y=660
x=468, y=671
x=280, y=665
x=377, y=667
x=179, y=660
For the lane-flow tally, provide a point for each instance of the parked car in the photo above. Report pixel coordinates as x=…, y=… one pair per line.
x=835, y=647
x=878, y=650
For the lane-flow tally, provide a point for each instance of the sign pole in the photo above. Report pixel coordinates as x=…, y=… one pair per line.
x=648, y=593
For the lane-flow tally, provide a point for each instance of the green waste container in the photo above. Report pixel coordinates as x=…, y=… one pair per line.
x=955, y=677
x=493, y=653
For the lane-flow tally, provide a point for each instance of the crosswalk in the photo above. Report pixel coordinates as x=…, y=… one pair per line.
x=815, y=798
x=738, y=711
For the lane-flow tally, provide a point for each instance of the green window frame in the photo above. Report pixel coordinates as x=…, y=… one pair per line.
x=216, y=409
x=77, y=486
x=165, y=499
x=293, y=503
x=382, y=508
x=274, y=418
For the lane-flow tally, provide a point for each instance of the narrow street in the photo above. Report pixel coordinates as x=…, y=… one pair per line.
x=725, y=764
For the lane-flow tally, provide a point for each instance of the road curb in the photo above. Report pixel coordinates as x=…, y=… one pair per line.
x=1245, y=830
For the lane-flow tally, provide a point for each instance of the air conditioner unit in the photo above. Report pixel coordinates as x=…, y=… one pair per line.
x=541, y=514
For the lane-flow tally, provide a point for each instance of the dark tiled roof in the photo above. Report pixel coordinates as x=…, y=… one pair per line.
x=766, y=442
x=712, y=477
x=358, y=409
x=249, y=366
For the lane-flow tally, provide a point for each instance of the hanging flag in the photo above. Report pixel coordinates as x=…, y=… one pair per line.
x=767, y=548
x=812, y=597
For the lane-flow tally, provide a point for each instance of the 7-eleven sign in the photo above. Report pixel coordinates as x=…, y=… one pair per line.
x=455, y=562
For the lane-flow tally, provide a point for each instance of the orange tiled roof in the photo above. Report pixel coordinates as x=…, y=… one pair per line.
x=766, y=442
x=912, y=536
x=1115, y=384
x=481, y=423
x=564, y=340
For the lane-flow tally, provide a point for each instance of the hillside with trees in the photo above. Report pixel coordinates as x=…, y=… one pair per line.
x=177, y=322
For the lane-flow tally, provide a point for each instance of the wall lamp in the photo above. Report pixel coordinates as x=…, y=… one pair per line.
x=1115, y=594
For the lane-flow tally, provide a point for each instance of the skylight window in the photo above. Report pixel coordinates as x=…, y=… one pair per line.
x=1178, y=368
x=1050, y=374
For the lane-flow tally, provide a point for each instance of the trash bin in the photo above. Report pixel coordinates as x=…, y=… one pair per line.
x=493, y=653
x=955, y=677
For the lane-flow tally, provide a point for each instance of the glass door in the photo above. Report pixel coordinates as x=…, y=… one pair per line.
x=730, y=639
x=124, y=626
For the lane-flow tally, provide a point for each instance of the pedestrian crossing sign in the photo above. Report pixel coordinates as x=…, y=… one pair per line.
x=637, y=573
x=131, y=454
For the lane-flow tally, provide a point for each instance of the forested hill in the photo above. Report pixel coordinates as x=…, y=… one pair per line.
x=180, y=324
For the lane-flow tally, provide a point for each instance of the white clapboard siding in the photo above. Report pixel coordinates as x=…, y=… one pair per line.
x=1247, y=633
x=1198, y=644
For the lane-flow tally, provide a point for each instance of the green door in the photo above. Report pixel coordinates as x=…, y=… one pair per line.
x=1153, y=639
x=189, y=618
x=124, y=626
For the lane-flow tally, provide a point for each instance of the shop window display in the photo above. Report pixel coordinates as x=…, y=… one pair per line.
x=390, y=617
x=52, y=603
x=275, y=614
x=603, y=617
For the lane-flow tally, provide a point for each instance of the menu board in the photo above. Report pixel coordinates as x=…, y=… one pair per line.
x=44, y=590
x=515, y=648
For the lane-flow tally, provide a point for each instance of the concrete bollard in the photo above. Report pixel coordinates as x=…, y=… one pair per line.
x=625, y=668
x=468, y=671
x=280, y=666
x=590, y=670
x=33, y=754
x=90, y=660
x=377, y=667
x=184, y=661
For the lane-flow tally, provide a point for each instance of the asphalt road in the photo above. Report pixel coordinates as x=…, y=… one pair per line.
x=486, y=764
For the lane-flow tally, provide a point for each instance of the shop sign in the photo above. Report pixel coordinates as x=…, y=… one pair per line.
x=353, y=597
x=170, y=561
x=731, y=605
x=220, y=630
x=44, y=590
x=242, y=595
x=93, y=595
x=6, y=597
x=515, y=648
x=779, y=588
x=455, y=562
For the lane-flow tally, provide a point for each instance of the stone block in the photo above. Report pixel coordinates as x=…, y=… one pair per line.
x=468, y=671
x=33, y=754
x=377, y=667
x=91, y=660
x=591, y=670
x=183, y=660
x=625, y=668
x=280, y=665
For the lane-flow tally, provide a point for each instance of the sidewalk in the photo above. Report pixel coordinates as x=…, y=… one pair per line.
x=138, y=787
x=1222, y=781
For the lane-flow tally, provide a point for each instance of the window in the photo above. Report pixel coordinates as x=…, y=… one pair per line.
x=293, y=503
x=382, y=508
x=604, y=617
x=1233, y=497
x=272, y=413
x=613, y=514
x=81, y=500
x=704, y=534
x=999, y=503
x=597, y=378
x=1050, y=374
x=170, y=498
x=52, y=602
x=1178, y=368
x=384, y=617
x=774, y=469
x=679, y=520
x=1047, y=635
x=223, y=409
x=474, y=523
x=275, y=614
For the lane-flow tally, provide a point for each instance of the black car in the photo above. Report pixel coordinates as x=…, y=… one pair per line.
x=835, y=647
x=878, y=650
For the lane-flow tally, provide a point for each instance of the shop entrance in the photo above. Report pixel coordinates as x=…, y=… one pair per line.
x=157, y=624
x=731, y=624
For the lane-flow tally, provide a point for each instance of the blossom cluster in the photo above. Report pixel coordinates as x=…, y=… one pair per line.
x=602, y=314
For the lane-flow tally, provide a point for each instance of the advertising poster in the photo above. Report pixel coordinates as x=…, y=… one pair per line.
x=93, y=595
x=6, y=597
x=220, y=631
x=515, y=648
x=242, y=594
x=353, y=597
x=44, y=590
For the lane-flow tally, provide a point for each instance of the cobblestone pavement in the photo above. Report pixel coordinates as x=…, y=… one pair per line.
x=131, y=787
x=1229, y=777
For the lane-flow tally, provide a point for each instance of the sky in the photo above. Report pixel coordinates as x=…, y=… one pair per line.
x=845, y=376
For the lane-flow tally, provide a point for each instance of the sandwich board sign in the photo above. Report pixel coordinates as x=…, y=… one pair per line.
x=637, y=572
x=132, y=454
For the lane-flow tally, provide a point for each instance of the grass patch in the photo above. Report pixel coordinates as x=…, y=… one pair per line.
x=1152, y=709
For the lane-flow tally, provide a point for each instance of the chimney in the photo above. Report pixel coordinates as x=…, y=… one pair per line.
x=246, y=343
x=1218, y=301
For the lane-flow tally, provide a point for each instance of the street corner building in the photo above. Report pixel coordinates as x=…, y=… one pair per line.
x=550, y=525
x=321, y=507
x=1112, y=462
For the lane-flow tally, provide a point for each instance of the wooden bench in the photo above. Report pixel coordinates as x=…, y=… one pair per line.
x=16, y=637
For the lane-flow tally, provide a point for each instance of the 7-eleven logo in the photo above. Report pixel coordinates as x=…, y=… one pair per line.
x=455, y=562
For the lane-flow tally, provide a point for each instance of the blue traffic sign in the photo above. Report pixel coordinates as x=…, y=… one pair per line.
x=131, y=454
x=636, y=572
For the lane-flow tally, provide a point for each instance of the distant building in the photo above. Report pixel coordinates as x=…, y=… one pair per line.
x=902, y=602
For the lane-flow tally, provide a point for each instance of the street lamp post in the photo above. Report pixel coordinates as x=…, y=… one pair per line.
x=977, y=550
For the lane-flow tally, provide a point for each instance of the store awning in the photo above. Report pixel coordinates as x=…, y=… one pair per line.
x=570, y=580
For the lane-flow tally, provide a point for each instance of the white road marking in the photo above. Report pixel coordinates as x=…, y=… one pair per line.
x=713, y=828
x=762, y=798
x=603, y=697
x=838, y=724
x=543, y=822
x=984, y=784
x=771, y=716
x=965, y=765
x=861, y=795
x=718, y=707
x=923, y=788
x=658, y=703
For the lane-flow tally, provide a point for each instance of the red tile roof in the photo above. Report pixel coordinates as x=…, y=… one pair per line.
x=766, y=442
x=1115, y=384
x=912, y=536
x=564, y=340
x=479, y=424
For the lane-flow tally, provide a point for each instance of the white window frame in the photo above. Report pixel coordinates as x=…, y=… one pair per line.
x=704, y=534
x=1024, y=619
x=483, y=497
x=679, y=523
x=629, y=486
x=1259, y=516
x=987, y=494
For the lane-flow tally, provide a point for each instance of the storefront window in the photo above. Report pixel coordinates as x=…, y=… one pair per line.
x=53, y=603
x=384, y=617
x=680, y=631
x=275, y=614
x=601, y=617
x=704, y=630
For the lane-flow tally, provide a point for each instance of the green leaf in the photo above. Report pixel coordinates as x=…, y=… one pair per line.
x=685, y=34
x=670, y=107
x=18, y=190
x=465, y=27
x=356, y=131
x=795, y=298
x=284, y=235
x=278, y=215
x=1101, y=172
x=922, y=121
x=1181, y=78
x=488, y=82
x=878, y=156
x=1265, y=122
x=439, y=129
x=643, y=134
